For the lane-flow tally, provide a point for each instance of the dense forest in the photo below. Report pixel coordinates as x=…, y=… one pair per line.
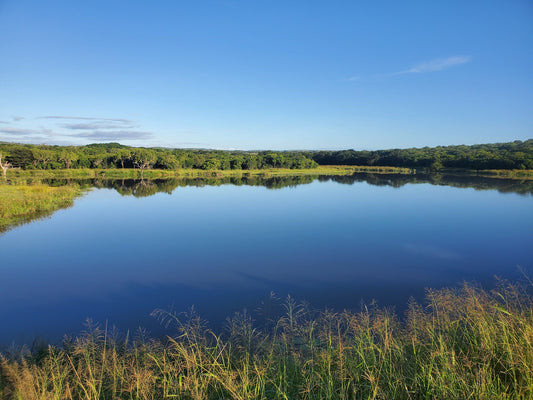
x=513, y=155
x=115, y=155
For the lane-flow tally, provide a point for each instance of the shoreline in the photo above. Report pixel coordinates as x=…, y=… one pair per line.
x=452, y=345
x=113, y=173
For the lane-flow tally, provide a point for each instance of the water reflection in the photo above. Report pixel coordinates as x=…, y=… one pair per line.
x=149, y=187
x=502, y=185
x=123, y=251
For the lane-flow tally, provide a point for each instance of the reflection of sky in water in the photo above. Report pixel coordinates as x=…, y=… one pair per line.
x=224, y=248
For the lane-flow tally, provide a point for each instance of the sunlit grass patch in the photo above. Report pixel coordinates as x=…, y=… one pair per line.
x=118, y=173
x=19, y=203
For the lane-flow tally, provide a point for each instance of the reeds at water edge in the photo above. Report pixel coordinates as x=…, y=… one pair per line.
x=462, y=343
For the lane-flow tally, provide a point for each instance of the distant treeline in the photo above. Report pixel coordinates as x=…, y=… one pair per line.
x=115, y=155
x=513, y=155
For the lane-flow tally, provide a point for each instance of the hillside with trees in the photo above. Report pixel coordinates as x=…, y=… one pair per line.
x=516, y=155
x=115, y=155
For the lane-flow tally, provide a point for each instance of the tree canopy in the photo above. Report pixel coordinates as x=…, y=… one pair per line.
x=512, y=155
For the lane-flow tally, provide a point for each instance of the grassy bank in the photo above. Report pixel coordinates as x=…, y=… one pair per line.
x=525, y=174
x=462, y=344
x=21, y=203
x=118, y=173
x=191, y=173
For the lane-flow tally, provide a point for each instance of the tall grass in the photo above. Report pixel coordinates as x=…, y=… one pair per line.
x=119, y=173
x=126, y=173
x=21, y=202
x=462, y=343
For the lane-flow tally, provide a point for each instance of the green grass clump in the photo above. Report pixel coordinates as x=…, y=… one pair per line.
x=21, y=203
x=462, y=344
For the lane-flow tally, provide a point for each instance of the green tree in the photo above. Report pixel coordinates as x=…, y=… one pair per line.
x=43, y=157
x=121, y=155
x=211, y=163
x=68, y=157
x=143, y=159
x=167, y=161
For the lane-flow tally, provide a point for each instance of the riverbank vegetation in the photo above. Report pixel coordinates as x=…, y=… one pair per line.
x=498, y=157
x=464, y=343
x=21, y=203
x=130, y=173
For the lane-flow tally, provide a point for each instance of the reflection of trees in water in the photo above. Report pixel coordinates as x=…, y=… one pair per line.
x=460, y=181
x=149, y=187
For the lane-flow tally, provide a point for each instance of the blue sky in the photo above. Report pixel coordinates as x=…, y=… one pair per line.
x=266, y=74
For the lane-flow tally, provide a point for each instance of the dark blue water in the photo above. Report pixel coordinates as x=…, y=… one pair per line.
x=225, y=248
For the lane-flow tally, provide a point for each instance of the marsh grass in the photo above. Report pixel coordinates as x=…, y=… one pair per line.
x=119, y=173
x=20, y=203
x=462, y=343
x=113, y=173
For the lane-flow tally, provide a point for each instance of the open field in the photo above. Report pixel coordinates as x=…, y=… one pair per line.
x=463, y=343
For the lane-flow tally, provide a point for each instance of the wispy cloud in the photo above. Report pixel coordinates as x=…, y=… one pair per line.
x=37, y=140
x=113, y=135
x=122, y=120
x=17, y=118
x=354, y=78
x=10, y=130
x=27, y=135
x=436, y=65
x=73, y=127
x=97, y=125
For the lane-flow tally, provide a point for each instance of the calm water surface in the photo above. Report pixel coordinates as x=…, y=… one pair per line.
x=224, y=248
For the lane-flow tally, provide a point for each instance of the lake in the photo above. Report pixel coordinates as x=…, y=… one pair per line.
x=128, y=247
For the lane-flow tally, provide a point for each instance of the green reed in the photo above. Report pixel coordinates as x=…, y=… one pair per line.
x=464, y=343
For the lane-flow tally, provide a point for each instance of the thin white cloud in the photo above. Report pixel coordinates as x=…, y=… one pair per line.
x=436, y=65
x=9, y=130
x=113, y=135
x=80, y=128
x=97, y=125
x=354, y=78
x=36, y=140
x=121, y=120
